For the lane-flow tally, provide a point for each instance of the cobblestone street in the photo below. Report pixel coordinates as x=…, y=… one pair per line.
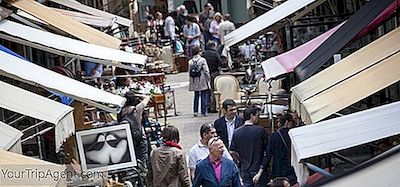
x=188, y=125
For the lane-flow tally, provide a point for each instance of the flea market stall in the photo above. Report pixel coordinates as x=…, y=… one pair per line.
x=53, y=65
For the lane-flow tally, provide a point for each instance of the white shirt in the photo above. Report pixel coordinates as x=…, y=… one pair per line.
x=199, y=152
x=169, y=27
x=230, y=127
x=225, y=27
x=214, y=26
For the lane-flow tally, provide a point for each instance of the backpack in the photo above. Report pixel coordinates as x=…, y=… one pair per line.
x=136, y=131
x=195, y=71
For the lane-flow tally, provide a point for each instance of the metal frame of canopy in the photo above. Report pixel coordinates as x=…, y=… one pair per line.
x=66, y=24
x=80, y=91
x=105, y=57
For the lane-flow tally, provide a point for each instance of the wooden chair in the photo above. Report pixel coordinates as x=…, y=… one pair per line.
x=262, y=90
x=262, y=87
x=159, y=100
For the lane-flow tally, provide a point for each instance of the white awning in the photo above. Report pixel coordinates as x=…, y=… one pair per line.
x=266, y=20
x=65, y=46
x=66, y=24
x=24, y=102
x=346, y=131
x=28, y=16
x=90, y=10
x=359, y=75
x=18, y=163
x=92, y=20
x=81, y=17
x=8, y=135
x=342, y=133
x=16, y=68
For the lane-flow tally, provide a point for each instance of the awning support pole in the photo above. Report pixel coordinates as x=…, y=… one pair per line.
x=33, y=126
x=341, y=157
x=266, y=4
x=38, y=134
x=23, y=20
x=270, y=106
x=69, y=62
x=16, y=120
x=38, y=138
x=318, y=170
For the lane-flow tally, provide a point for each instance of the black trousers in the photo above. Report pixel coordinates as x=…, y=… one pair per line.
x=141, y=151
x=212, y=102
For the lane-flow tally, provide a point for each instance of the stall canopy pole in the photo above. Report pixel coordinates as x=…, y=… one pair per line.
x=341, y=157
x=318, y=170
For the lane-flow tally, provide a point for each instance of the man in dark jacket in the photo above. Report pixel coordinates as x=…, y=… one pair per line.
x=227, y=124
x=215, y=170
x=214, y=65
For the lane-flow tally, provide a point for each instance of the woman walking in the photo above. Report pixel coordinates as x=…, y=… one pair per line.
x=199, y=81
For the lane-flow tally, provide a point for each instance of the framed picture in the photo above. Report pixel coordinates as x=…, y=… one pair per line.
x=106, y=149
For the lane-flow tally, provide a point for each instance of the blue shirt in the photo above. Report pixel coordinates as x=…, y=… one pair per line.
x=89, y=66
x=193, y=30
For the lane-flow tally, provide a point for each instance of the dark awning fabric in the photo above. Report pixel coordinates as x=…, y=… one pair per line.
x=381, y=170
x=340, y=38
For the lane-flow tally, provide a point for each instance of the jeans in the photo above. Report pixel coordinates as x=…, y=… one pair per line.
x=204, y=95
x=206, y=36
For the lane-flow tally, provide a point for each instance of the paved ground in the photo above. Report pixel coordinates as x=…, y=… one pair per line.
x=188, y=125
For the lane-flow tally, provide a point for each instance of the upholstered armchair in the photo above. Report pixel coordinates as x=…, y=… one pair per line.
x=227, y=87
x=260, y=95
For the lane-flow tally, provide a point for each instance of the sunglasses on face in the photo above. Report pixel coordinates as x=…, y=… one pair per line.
x=209, y=126
x=232, y=109
x=214, y=140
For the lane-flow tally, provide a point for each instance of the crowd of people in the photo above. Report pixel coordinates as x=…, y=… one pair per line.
x=232, y=151
x=189, y=30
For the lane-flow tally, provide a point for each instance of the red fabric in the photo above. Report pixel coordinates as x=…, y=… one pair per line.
x=172, y=144
x=378, y=20
x=315, y=177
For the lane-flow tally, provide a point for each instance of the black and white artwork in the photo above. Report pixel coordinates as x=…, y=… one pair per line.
x=106, y=149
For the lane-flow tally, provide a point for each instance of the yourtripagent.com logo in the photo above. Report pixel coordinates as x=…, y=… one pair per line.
x=41, y=174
